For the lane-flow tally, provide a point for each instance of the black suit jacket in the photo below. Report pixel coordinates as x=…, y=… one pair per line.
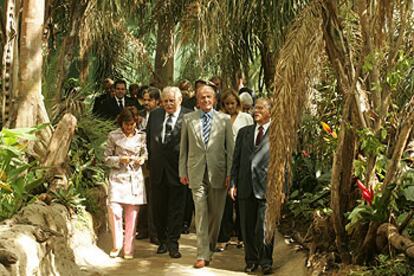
x=163, y=158
x=112, y=108
x=250, y=164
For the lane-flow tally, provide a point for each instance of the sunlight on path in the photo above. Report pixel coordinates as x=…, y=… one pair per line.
x=230, y=262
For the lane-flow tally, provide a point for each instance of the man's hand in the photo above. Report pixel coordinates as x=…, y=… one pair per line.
x=184, y=180
x=233, y=193
x=227, y=183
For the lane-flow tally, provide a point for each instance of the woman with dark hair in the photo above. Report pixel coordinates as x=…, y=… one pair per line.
x=125, y=153
x=232, y=106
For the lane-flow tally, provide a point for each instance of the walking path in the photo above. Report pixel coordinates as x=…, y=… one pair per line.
x=287, y=261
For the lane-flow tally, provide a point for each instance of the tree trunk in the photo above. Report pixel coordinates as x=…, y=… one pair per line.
x=68, y=46
x=268, y=63
x=57, y=152
x=341, y=179
x=10, y=39
x=164, y=56
x=389, y=232
x=30, y=103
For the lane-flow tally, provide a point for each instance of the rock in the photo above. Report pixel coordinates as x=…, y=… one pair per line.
x=7, y=258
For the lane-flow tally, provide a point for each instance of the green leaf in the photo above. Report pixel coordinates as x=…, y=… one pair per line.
x=409, y=193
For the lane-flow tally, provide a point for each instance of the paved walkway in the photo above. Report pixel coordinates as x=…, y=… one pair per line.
x=287, y=261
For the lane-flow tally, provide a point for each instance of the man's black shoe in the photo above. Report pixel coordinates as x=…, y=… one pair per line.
x=186, y=230
x=154, y=240
x=267, y=270
x=162, y=249
x=175, y=254
x=250, y=268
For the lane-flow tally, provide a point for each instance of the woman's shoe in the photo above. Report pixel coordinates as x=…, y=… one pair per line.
x=128, y=257
x=114, y=253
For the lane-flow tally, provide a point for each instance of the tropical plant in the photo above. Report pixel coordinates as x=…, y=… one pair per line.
x=20, y=175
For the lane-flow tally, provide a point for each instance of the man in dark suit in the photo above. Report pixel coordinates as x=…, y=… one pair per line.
x=248, y=184
x=151, y=100
x=168, y=195
x=114, y=105
x=146, y=227
x=99, y=104
x=206, y=153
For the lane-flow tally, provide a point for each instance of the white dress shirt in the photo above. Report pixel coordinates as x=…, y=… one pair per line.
x=174, y=120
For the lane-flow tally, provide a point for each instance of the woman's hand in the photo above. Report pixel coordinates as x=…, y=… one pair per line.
x=139, y=161
x=124, y=160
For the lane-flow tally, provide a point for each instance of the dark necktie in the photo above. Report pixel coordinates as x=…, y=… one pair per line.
x=168, y=127
x=121, y=106
x=259, y=136
x=206, y=127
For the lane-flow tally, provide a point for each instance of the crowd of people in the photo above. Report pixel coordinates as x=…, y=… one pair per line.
x=181, y=151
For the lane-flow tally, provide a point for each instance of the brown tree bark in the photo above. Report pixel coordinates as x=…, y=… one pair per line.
x=68, y=44
x=10, y=40
x=269, y=68
x=342, y=169
x=164, y=55
x=388, y=232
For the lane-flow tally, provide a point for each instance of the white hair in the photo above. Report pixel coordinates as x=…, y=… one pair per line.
x=245, y=98
x=172, y=89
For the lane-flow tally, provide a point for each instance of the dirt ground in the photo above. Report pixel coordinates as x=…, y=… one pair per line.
x=287, y=260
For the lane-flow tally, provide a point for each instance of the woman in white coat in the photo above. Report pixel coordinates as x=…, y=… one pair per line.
x=125, y=153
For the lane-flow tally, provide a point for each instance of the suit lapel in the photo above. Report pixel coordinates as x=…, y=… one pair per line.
x=214, y=125
x=160, y=123
x=197, y=125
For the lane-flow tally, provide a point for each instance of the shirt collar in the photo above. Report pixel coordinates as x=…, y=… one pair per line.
x=210, y=113
x=265, y=126
x=175, y=114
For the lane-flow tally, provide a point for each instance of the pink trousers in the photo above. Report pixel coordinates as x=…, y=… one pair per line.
x=115, y=211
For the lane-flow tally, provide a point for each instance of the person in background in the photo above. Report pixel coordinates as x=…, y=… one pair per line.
x=249, y=91
x=151, y=100
x=191, y=103
x=125, y=153
x=146, y=225
x=168, y=194
x=99, y=104
x=246, y=102
x=134, y=95
x=248, y=186
x=186, y=89
x=206, y=153
x=232, y=106
x=114, y=105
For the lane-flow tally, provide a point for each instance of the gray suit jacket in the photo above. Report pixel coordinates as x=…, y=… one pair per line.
x=216, y=156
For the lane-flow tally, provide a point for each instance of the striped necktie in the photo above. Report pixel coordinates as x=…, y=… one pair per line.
x=206, y=127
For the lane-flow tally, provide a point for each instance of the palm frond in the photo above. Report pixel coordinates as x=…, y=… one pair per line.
x=298, y=61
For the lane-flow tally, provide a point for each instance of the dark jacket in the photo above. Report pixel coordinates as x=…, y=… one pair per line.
x=163, y=157
x=250, y=164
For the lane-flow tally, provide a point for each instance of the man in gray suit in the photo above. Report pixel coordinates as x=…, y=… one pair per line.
x=248, y=184
x=205, y=165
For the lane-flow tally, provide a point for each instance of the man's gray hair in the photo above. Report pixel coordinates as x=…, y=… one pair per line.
x=172, y=89
x=245, y=98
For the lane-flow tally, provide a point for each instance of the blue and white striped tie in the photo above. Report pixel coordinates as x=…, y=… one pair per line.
x=206, y=127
